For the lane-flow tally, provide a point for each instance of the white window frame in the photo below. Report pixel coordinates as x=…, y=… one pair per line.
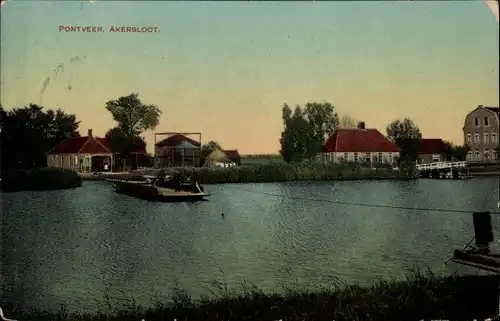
x=486, y=121
x=486, y=136
x=477, y=138
x=436, y=157
x=469, y=138
x=476, y=121
x=356, y=157
x=494, y=137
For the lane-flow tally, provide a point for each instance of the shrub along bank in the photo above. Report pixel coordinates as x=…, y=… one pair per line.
x=280, y=172
x=419, y=297
x=46, y=178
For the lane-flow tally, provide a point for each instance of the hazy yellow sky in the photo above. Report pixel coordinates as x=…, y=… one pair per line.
x=225, y=69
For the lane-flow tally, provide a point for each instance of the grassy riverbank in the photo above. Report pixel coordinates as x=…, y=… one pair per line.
x=421, y=296
x=39, y=179
x=280, y=172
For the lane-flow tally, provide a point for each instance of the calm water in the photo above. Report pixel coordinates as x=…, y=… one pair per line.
x=72, y=247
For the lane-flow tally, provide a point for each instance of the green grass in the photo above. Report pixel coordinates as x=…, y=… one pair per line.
x=261, y=159
x=39, y=179
x=420, y=296
x=281, y=172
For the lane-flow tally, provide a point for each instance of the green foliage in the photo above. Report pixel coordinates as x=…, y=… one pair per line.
x=406, y=135
x=347, y=121
x=28, y=133
x=280, y=172
x=133, y=117
x=211, y=145
x=123, y=144
x=306, y=129
x=40, y=179
x=419, y=297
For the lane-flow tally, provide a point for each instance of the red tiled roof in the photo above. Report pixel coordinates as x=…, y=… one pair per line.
x=346, y=140
x=431, y=146
x=86, y=145
x=232, y=154
x=176, y=140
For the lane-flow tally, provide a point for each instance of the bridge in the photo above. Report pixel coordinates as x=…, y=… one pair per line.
x=442, y=166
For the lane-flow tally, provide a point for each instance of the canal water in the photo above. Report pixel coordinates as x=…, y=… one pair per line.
x=76, y=247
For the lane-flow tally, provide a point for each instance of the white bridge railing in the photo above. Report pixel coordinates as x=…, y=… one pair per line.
x=441, y=165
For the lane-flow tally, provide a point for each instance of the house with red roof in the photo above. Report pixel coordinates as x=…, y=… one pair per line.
x=481, y=133
x=220, y=157
x=85, y=154
x=177, y=151
x=359, y=145
x=431, y=150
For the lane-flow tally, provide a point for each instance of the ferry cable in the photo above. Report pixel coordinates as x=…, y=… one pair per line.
x=364, y=204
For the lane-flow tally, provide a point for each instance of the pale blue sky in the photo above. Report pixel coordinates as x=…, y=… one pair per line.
x=226, y=68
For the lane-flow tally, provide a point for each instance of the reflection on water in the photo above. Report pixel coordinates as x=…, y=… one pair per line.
x=72, y=247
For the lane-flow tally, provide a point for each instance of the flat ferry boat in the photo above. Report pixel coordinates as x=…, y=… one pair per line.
x=162, y=189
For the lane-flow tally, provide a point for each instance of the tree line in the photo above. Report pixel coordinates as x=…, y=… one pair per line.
x=306, y=129
x=29, y=132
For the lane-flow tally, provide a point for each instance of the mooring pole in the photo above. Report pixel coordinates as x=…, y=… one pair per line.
x=483, y=232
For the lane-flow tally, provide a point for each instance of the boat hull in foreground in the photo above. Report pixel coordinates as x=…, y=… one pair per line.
x=160, y=194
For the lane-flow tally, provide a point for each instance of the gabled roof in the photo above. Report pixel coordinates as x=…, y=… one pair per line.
x=176, y=140
x=81, y=145
x=431, y=146
x=233, y=154
x=346, y=140
x=86, y=145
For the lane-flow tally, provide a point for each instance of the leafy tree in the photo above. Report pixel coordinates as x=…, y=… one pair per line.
x=460, y=152
x=133, y=118
x=124, y=145
x=211, y=145
x=448, y=151
x=406, y=135
x=29, y=133
x=347, y=121
x=306, y=129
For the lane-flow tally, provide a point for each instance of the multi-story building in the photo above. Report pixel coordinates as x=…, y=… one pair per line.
x=481, y=133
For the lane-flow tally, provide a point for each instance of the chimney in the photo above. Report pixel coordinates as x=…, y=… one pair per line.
x=480, y=106
x=90, y=133
x=361, y=125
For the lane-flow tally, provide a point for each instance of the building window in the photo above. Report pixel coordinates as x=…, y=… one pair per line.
x=436, y=157
x=469, y=156
x=493, y=137
x=486, y=138
x=487, y=154
x=486, y=121
x=476, y=122
x=477, y=155
x=380, y=159
x=346, y=156
x=469, y=138
x=355, y=157
x=477, y=138
x=368, y=157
